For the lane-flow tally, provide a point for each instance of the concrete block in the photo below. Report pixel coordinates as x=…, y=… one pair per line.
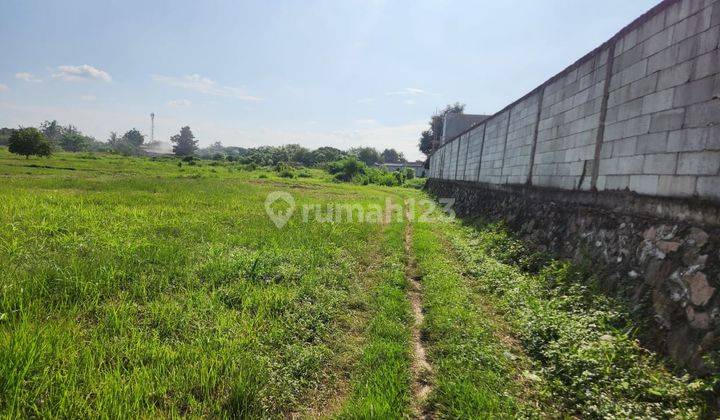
x=606, y=150
x=709, y=187
x=703, y=114
x=636, y=126
x=652, y=26
x=694, y=92
x=628, y=165
x=706, y=65
x=629, y=75
x=675, y=75
x=658, y=101
x=677, y=186
x=608, y=166
x=708, y=40
x=652, y=143
x=617, y=182
x=667, y=120
x=660, y=164
x=625, y=147
x=662, y=60
x=644, y=86
x=694, y=139
x=694, y=24
x=699, y=163
x=615, y=131
x=659, y=41
x=644, y=184
x=630, y=109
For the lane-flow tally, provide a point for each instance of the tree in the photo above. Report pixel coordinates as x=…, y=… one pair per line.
x=185, y=143
x=430, y=138
x=29, y=142
x=52, y=130
x=327, y=154
x=74, y=142
x=392, y=156
x=134, y=138
x=5, y=134
x=368, y=155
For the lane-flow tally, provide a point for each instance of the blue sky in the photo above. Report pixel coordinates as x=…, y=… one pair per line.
x=342, y=73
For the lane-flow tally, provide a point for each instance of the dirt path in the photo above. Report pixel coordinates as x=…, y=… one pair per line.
x=421, y=368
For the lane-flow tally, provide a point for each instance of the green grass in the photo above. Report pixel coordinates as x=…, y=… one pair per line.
x=381, y=386
x=134, y=287
x=474, y=372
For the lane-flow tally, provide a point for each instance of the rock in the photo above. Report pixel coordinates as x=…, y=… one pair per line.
x=697, y=237
x=650, y=233
x=667, y=246
x=678, y=291
x=698, y=320
x=700, y=290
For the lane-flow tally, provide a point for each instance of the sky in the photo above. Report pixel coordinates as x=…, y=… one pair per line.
x=342, y=73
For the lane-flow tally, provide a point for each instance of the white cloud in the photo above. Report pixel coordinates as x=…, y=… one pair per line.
x=3, y=87
x=27, y=77
x=204, y=85
x=178, y=103
x=88, y=98
x=408, y=92
x=365, y=100
x=365, y=121
x=409, y=102
x=81, y=73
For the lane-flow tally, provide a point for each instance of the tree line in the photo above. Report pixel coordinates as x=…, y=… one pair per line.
x=51, y=136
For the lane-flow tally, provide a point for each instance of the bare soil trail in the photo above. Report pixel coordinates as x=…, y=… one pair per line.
x=421, y=368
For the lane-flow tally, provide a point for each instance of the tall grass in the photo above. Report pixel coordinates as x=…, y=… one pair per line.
x=134, y=287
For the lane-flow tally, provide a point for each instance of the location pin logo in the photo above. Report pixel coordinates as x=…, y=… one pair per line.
x=280, y=218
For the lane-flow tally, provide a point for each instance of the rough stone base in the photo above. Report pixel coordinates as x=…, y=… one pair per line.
x=662, y=256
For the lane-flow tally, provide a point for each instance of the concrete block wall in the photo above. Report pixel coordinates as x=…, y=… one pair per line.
x=569, y=122
x=520, y=136
x=639, y=113
x=475, y=140
x=493, y=149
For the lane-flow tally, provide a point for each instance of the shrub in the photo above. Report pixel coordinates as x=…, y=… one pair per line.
x=347, y=169
x=29, y=142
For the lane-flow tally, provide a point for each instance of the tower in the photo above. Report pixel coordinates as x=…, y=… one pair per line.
x=152, y=127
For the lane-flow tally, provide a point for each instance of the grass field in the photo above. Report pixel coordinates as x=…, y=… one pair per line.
x=134, y=287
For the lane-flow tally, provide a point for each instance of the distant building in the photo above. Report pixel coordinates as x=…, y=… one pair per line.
x=454, y=124
x=418, y=167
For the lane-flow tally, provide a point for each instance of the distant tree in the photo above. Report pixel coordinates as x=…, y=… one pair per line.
x=429, y=138
x=298, y=154
x=426, y=142
x=74, y=142
x=5, y=134
x=327, y=154
x=134, y=138
x=29, y=142
x=185, y=143
x=113, y=139
x=368, y=155
x=392, y=156
x=52, y=130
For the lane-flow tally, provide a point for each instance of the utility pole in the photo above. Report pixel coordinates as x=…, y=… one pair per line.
x=152, y=127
